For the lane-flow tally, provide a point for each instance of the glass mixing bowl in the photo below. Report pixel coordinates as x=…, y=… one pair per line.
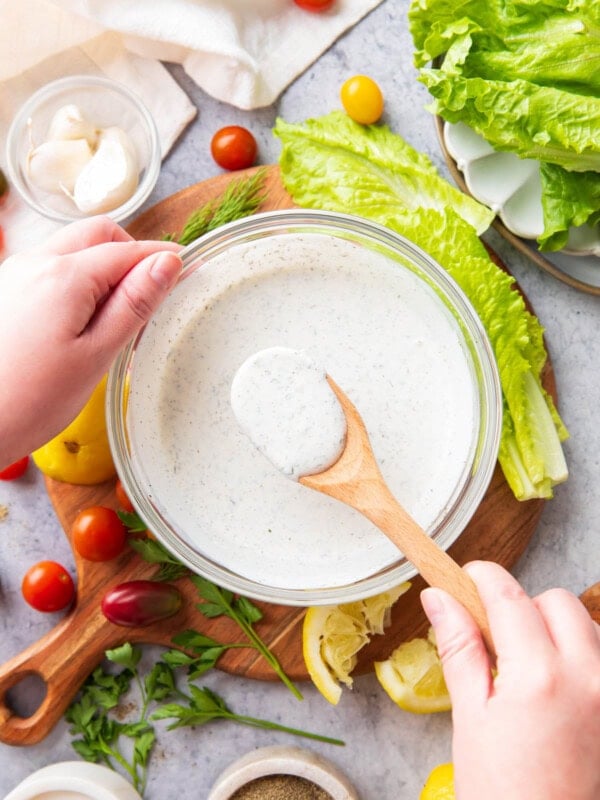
x=295, y=278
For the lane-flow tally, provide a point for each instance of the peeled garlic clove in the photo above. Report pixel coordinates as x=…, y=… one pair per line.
x=69, y=122
x=111, y=177
x=54, y=166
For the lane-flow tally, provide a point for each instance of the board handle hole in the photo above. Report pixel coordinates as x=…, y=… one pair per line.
x=25, y=697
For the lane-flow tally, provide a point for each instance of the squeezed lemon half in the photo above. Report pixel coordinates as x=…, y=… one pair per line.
x=440, y=784
x=333, y=635
x=412, y=676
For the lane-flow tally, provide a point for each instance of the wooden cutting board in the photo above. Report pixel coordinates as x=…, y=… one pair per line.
x=499, y=531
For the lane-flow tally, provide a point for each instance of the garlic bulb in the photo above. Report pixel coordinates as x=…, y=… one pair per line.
x=70, y=123
x=110, y=177
x=54, y=166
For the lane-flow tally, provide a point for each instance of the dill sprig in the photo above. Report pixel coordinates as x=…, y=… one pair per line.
x=240, y=199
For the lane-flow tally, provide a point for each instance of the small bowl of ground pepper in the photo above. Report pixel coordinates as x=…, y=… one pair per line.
x=282, y=773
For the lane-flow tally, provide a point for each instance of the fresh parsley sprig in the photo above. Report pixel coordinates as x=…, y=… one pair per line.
x=99, y=733
x=170, y=568
x=203, y=706
x=216, y=602
x=132, y=521
x=95, y=716
x=221, y=602
x=201, y=652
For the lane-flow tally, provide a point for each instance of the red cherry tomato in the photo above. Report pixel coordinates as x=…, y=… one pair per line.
x=47, y=586
x=315, y=5
x=18, y=468
x=234, y=147
x=98, y=534
x=124, y=502
x=362, y=99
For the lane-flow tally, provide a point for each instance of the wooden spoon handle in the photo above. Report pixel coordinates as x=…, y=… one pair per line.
x=356, y=480
x=433, y=563
x=63, y=659
x=591, y=600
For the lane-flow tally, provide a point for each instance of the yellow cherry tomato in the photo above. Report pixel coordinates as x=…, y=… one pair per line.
x=80, y=454
x=362, y=99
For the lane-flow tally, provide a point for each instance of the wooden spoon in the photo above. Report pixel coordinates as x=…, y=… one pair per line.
x=355, y=479
x=591, y=600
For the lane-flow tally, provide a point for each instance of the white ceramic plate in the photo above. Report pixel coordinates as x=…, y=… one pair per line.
x=511, y=187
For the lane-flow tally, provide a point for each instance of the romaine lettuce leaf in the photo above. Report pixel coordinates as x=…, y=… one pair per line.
x=335, y=164
x=395, y=178
x=537, y=122
x=436, y=24
x=548, y=43
x=562, y=52
x=569, y=199
x=525, y=74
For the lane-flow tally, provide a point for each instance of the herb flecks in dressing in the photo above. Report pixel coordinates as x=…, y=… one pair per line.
x=387, y=339
x=285, y=406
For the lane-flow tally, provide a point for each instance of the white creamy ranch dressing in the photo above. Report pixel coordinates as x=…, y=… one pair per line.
x=283, y=403
x=390, y=342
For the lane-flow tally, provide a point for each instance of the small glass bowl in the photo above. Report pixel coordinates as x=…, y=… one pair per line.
x=105, y=103
x=135, y=462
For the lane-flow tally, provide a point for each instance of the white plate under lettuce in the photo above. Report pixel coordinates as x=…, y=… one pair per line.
x=511, y=187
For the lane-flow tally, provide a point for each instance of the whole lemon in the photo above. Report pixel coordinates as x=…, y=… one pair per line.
x=80, y=453
x=440, y=784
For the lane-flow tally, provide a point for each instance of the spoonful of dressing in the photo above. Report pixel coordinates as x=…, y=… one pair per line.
x=283, y=403
x=298, y=417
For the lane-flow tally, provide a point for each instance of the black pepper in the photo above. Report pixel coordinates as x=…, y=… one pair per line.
x=281, y=787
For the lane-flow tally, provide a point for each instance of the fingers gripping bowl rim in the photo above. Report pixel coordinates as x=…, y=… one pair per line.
x=476, y=474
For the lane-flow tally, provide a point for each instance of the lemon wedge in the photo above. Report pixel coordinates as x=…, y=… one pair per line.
x=80, y=453
x=412, y=676
x=440, y=784
x=333, y=635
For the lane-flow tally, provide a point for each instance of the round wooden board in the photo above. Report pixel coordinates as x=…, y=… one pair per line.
x=499, y=531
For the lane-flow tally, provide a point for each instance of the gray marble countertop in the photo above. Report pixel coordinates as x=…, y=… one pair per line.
x=388, y=753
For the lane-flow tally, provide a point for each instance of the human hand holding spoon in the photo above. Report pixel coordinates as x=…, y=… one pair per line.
x=345, y=467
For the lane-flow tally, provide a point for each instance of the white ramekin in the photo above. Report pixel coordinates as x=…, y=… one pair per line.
x=91, y=781
x=282, y=760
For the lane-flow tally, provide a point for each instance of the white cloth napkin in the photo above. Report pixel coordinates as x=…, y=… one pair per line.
x=242, y=52
x=51, y=48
